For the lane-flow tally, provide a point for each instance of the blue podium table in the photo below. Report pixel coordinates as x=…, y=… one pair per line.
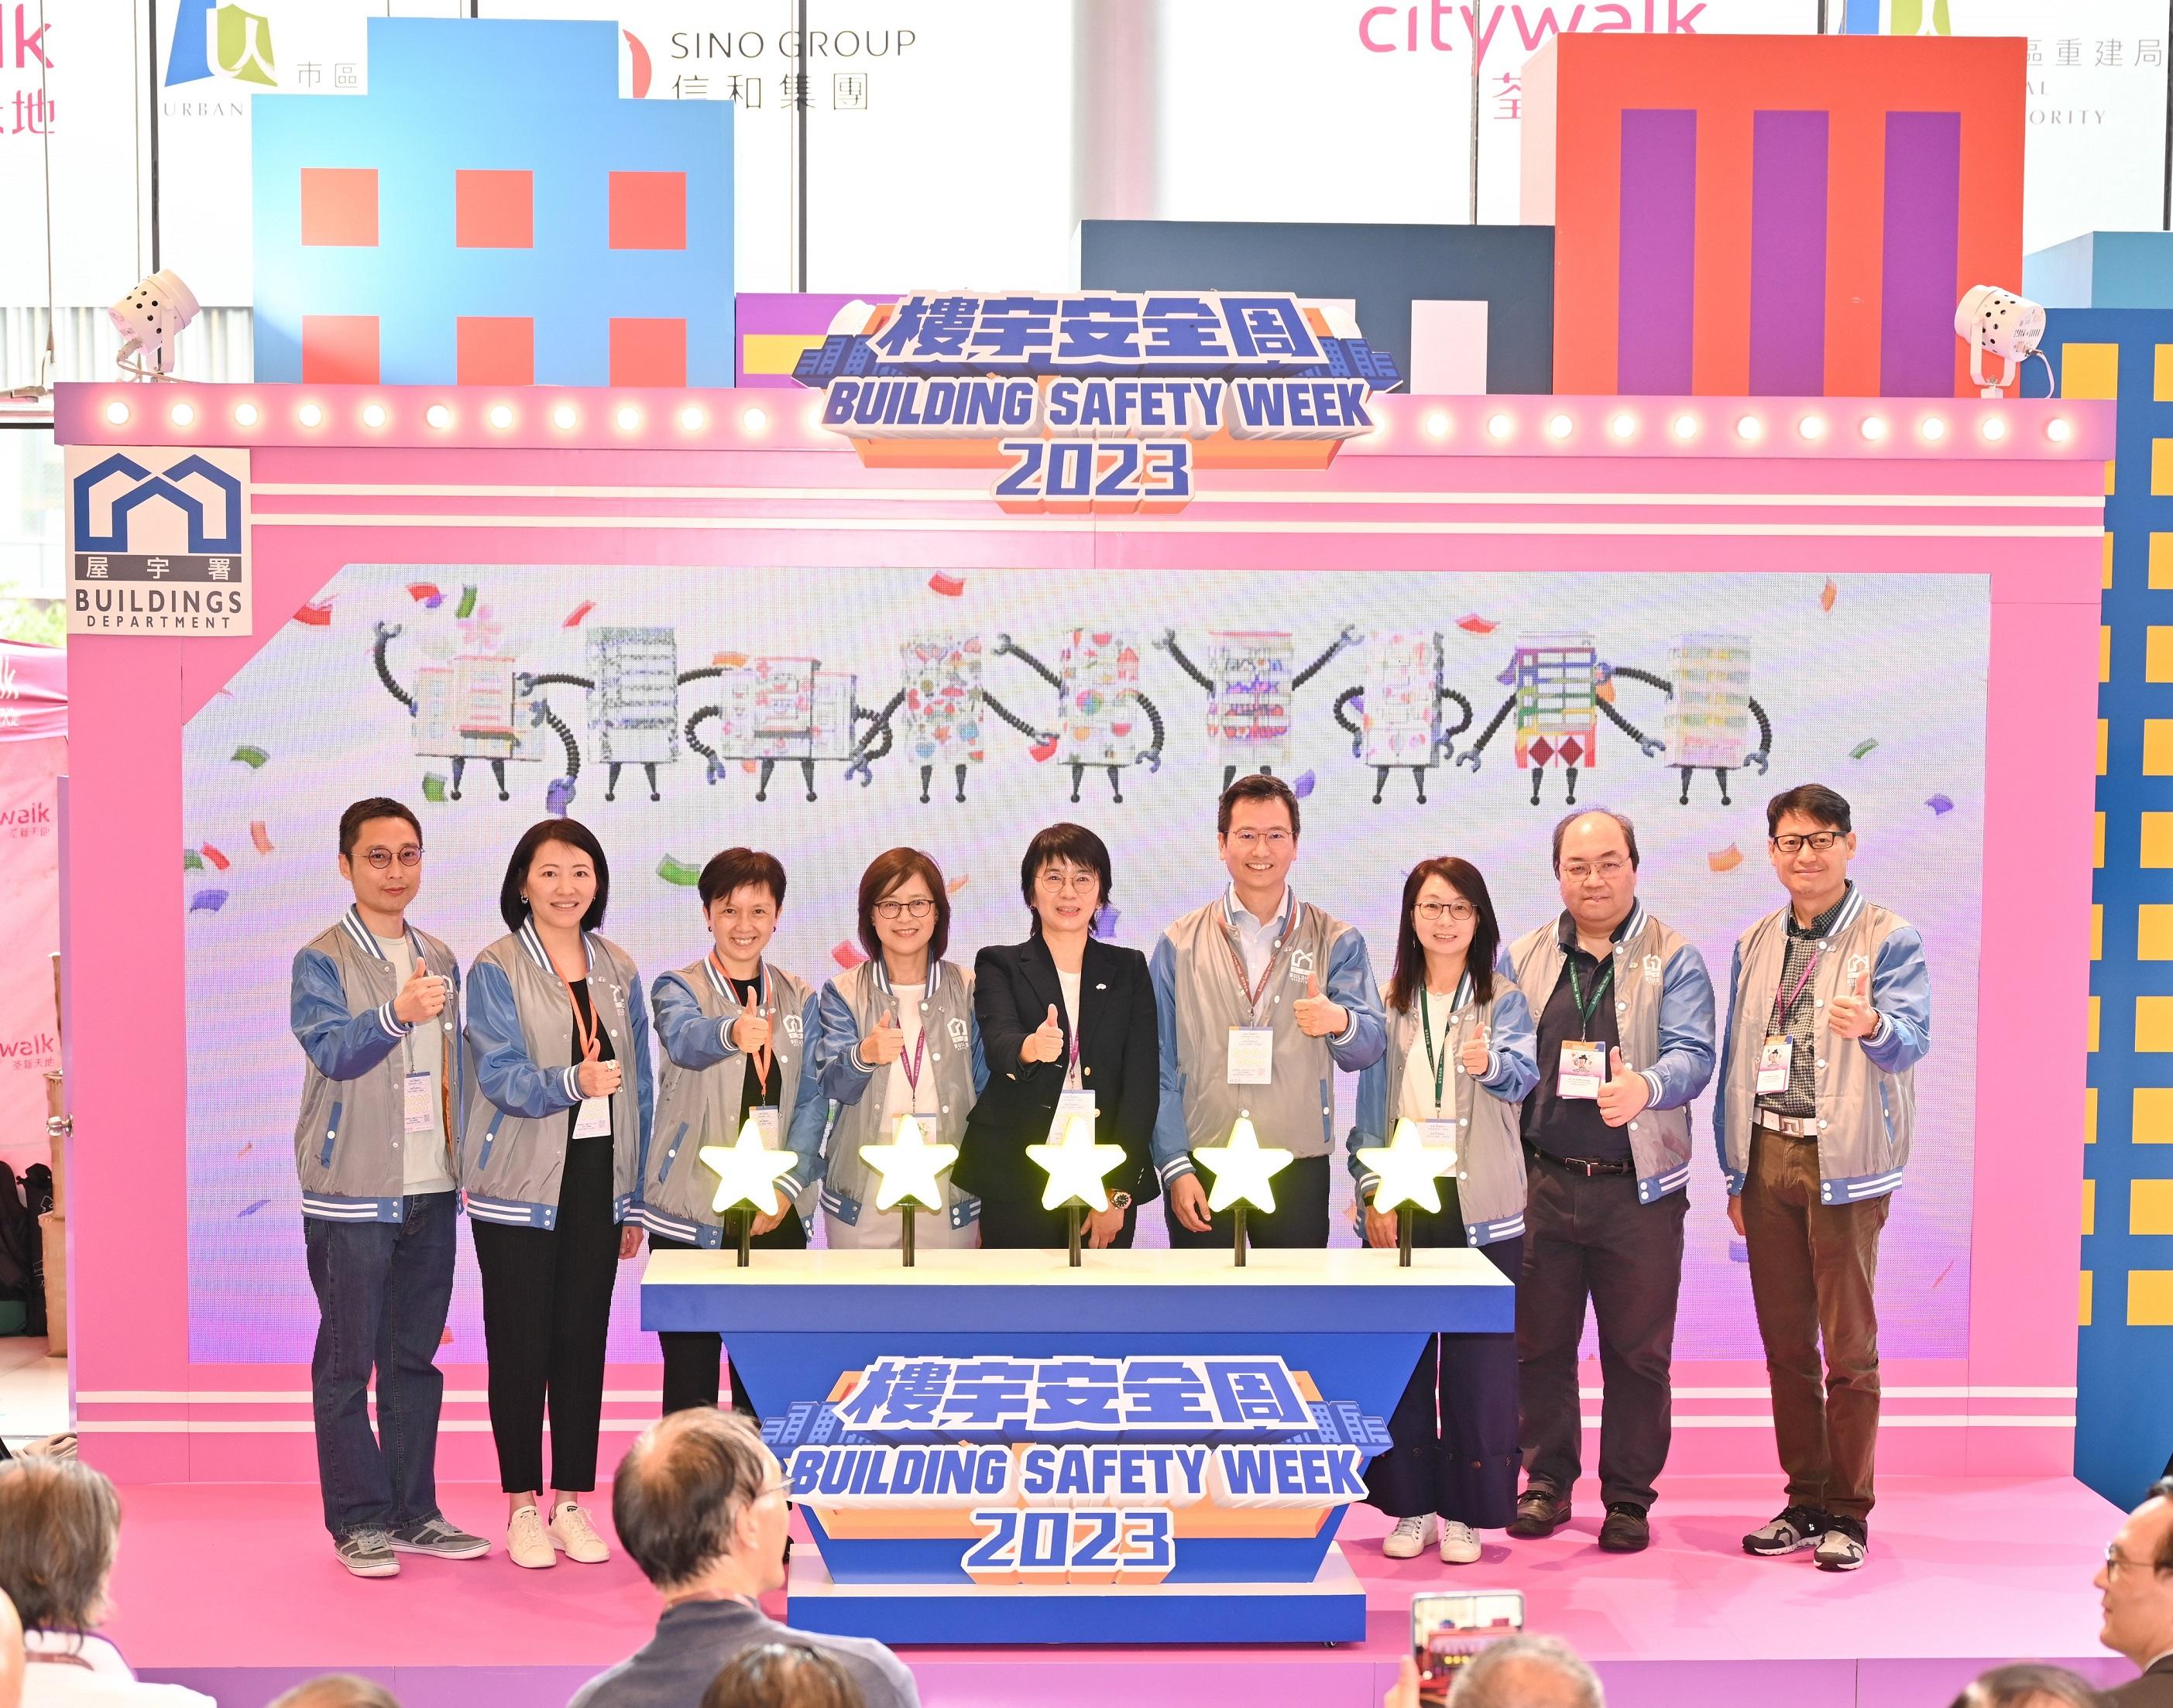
x=1157, y=1447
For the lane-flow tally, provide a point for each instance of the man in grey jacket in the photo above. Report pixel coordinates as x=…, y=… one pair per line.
x=699, y=1502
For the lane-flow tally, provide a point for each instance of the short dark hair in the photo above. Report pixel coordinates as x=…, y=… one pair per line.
x=680, y=1490
x=885, y=873
x=573, y=834
x=59, y=1522
x=2162, y=1489
x=1622, y=819
x=736, y=868
x=377, y=806
x=2024, y=1682
x=338, y=1690
x=1072, y=844
x=1258, y=787
x=1812, y=800
x=1463, y=877
x=781, y=1675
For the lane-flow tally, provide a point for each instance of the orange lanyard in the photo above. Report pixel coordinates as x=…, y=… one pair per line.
x=585, y=1027
x=763, y=1056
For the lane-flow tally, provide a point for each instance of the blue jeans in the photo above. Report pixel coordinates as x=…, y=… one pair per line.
x=382, y=1292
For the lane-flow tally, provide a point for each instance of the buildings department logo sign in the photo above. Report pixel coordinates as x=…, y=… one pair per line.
x=158, y=541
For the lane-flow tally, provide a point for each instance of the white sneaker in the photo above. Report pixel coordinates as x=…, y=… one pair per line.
x=572, y=1534
x=526, y=1544
x=1409, y=1539
x=1460, y=1543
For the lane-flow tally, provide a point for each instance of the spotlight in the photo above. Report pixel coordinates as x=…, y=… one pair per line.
x=754, y=420
x=1874, y=427
x=2057, y=430
x=628, y=418
x=149, y=319
x=1685, y=426
x=563, y=418
x=1623, y=425
x=1933, y=429
x=117, y=414
x=244, y=415
x=692, y=419
x=1436, y=425
x=1750, y=428
x=501, y=417
x=182, y=414
x=1558, y=425
x=373, y=415
x=310, y=415
x=1812, y=427
x=1994, y=428
x=2011, y=327
x=1499, y=426
x=439, y=416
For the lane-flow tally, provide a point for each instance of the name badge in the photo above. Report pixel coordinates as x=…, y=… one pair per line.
x=1583, y=1068
x=765, y=1124
x=1069, y=1105
x=1253, y=1056
x=1441, y=1136
x=594, y=1122
x=420, y=1114
x=1776, y=1057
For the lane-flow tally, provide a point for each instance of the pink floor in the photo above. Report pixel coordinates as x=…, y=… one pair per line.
x=233, y=1589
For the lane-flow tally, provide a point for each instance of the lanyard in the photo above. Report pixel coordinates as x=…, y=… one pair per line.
x=584, y=1022
x=1788, y=1001
x=1253, y=992
x=763, y=1056
x=912, y=1064
x=1585, y=1009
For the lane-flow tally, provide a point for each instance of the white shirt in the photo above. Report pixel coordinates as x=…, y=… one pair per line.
x=1257, y=942
x=104, y=1683
x=421, y=1154
x=1417, y=1099
x=900, y=1096
x=1068, y=988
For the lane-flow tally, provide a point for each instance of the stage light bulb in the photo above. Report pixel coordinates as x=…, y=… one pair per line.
x=563, y=416
x=439, y=416
x=501, y=417
x=310, y=415
x=1558, y=425
x=692, y=419
x=2057, y=430
x=182, y=414
x=1498, y=426
x=1623, y=425
x=1874, y=427
x=1812, y=427
x=1933, y=429
x=628, y=418
x=754, y=420
x=1685, y=427
x=117, y=414
x=373, y=415
x=1436, y=425
x=1994, y=428
x=1750, y=428
x=814, y=418
x=244, y=415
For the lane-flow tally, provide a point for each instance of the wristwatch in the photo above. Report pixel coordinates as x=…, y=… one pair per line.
x=1120, y=1200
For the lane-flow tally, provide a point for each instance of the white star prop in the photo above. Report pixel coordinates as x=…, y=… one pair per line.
x=747, y=1173
x=1076, y=1166
x=907, y=1166
x=1242, y=1168
x=1409, y=1169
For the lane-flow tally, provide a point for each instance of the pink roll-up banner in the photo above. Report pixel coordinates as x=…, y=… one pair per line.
x=33, y=755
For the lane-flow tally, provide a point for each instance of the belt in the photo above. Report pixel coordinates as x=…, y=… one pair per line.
x=1787, y=1126
x=1590, y=1168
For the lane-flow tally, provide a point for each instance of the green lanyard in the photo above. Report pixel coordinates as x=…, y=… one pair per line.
x=1439, y=1062
x=1585, y=1009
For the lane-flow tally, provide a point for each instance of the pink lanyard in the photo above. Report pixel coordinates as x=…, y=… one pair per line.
x=1251, y=992
x=1788, y=1001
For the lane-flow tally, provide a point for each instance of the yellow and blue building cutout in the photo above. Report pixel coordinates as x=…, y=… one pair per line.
x=492, y=213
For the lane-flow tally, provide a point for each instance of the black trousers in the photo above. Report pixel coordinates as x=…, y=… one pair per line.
x=1021, y=1224
x=1300, y=1219
x=1590, y=1239
x=1455, y=1428
x=545, y=1310
x=691, y=1355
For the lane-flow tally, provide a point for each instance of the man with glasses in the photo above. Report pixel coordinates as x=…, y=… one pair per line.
x=2136, y=1587
x=1260, y=998
x=1623, y=1008
x=1830, y=1010
x=375, y=1006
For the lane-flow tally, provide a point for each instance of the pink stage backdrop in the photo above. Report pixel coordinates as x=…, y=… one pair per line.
x=33, y=755
x=1920, y=632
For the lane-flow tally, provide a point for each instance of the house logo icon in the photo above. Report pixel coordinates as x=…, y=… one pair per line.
x=188, y=486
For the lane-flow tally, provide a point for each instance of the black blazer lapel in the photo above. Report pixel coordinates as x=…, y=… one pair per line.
x=1040, y=970
x=1098, y=974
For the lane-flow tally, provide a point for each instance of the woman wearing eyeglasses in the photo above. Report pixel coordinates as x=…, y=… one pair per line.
x=898, y=1038
x=1460, y=1060
x=1068, y=1022
x=557, y=1045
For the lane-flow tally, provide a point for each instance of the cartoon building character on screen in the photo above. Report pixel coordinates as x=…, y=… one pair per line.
x=938, y=713
x=1400, y=721
x=1250, y=684
x=1557, y=695
x=1102, y=717
x=768, y=710
x=1710, y=708
x=633, y=685
x=470, y=700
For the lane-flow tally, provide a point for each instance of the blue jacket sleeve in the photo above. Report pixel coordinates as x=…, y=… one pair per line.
x=837, y=1049
x=1173, y=1149
x=980, y=1059
x=1901, y=992
x=1514, y=1045
x=810, y=1108
x=1369, y=1129
x=341, y=1045
x=691, y=1038
x=1351, y=988
x=1686, y=1062
x=1727, y=1067
x=644, y=1065
x=503, y=1071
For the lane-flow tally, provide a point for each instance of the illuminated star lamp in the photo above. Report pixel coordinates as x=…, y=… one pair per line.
x=1077, y=1167
x=906, y=1170
x=1409, y=1171
x=747, y=1173
x=1243, y=1169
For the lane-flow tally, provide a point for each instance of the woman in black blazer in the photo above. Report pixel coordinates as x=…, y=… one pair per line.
x=1033, y=1000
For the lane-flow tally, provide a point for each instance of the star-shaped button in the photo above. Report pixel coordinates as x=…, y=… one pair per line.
x=907, y=1166
x=1076, y=1166
x=1409, y=1169
x=1242, y=1168
x=748, y=1172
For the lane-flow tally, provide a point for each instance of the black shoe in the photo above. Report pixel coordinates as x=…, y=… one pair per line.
x=1792, y=1529
x=1540, y=1512
x=1625, y=1530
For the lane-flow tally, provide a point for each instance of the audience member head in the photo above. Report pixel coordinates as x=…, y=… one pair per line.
x=11, y=1655
x=59, y=1522
x=1527, y=1671
x=2136, y=1582
x=781, y=1675
x=338, y=1690
x=699, y=1503
x=2029, y=1684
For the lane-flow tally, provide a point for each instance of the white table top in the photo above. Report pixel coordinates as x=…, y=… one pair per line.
x=1340, y=1268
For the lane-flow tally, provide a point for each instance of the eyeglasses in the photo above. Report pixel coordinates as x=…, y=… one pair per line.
x=1058, y=879
x=1576, y=872
x=1248, y=840
x=2114, y=1560
x=381, y=858
x=1818, y=841
x=917, y=908
x=1433, y=912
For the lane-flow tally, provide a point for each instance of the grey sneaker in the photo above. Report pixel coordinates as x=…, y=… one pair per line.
x=1844, y=1545
x=1791, y=1528
x=367, y=1553
x=435, y=1536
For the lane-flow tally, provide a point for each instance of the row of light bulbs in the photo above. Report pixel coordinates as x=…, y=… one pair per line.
x=692, y=418
x=1750, y=428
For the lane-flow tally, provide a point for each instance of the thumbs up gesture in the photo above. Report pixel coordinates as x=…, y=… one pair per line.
x=751, y=1030
x=423, y=997
x=1624, y=1095
x=1045, y=1043
x=1477, y=1057
x=1850, y=1013
x=885, y=1044
x=1316, y=1017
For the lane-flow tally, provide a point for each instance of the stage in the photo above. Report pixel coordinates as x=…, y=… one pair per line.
x=1964, y=1573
